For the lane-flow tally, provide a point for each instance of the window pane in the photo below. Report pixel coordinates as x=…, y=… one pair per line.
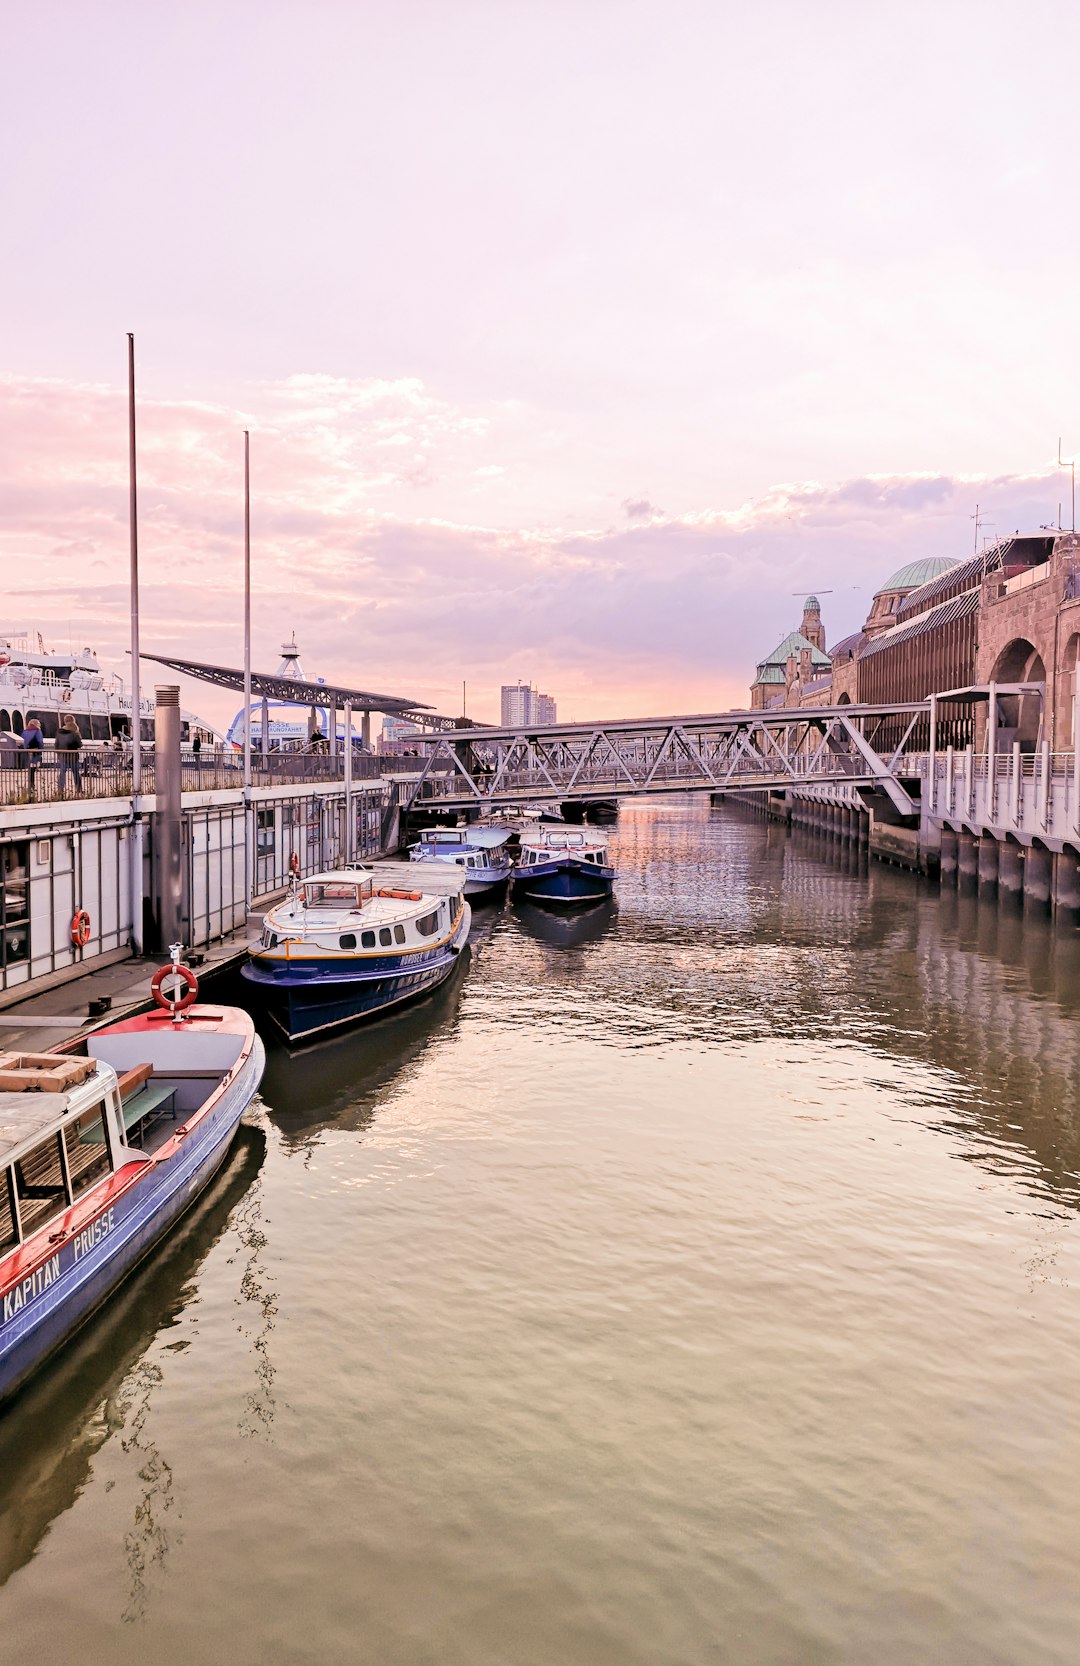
x=399, y=934
x=87, y=1151
x=367, y=939
x=347, y=940
x=39, y=1182
x=384, y=937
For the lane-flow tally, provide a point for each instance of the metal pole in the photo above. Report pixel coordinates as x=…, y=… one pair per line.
x=932, y=782
x=350, y=819
x=167, y=820
x=247, y=609
x=133, y=519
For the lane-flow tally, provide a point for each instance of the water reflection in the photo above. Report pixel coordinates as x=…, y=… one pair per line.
x=101, y=1386
x=566, y=929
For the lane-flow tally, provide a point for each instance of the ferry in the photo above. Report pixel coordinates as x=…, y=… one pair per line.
x=481, y=851
x=562, y=867
x=103, y=1148
x=38, y=682
x=352, y=943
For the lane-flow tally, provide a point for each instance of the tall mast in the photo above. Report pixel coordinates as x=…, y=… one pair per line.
x=247, y=610
x=136, y=703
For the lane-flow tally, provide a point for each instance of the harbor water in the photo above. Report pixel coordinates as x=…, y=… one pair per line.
x=693, y=1281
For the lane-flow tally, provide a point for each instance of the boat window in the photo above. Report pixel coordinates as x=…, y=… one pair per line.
x=87, y=1150
x=347, y=940
x=330, y=895
x=39, y=1183
x=8, y=1235
x=428, y=925
x=367, y=939
x=384, y=936
x=399, y=934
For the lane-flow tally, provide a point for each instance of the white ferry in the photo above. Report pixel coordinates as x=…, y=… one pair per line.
x=38, y=682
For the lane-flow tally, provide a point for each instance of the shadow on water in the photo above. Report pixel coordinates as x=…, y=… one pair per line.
x=101, y=1384
x=566, y=929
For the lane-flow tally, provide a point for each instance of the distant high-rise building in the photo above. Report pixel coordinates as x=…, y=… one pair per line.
x=522, y=705
x=396, y=737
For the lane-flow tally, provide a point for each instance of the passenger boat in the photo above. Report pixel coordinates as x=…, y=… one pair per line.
x=351, y=943
x=102, y=1151
x=562, y=867
x=481, y=851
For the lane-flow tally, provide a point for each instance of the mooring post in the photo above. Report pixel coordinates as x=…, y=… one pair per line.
x=168, y=866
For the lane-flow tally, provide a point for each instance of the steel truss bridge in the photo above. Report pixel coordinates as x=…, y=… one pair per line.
x=859, y=746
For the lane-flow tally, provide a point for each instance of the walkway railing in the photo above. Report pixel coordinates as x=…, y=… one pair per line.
x=35, y=778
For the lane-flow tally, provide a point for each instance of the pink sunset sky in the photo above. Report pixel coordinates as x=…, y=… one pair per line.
x=573, y=338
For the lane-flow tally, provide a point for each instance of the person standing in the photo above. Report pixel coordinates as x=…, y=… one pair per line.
x=196, y=745
x=34, y=745
x=69, y=745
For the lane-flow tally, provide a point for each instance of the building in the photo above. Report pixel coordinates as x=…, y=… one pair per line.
x=1010, y=614
x=522, y=705
x=397, y=736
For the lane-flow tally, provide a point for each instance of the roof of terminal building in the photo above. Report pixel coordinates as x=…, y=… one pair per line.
x=955, y=607
x=771, y=668
x=916, y=573
x=847, y=646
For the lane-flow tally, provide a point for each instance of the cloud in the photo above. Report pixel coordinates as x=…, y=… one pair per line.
x=668, y=611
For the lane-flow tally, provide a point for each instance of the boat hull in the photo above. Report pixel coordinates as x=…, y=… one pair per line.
x=306, y=999
x=38, y=1315
x=564, y=881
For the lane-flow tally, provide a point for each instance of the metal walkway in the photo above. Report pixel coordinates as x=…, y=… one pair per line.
x=718, y=752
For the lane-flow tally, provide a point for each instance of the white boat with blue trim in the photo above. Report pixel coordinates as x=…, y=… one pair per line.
x=353, y=942
x=101, y=1152
x=481, y=851
x=562, y=867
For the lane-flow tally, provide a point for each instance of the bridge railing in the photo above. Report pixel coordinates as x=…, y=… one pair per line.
x=36, y=777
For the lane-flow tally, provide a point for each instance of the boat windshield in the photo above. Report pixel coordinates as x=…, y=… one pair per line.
x=337, y=893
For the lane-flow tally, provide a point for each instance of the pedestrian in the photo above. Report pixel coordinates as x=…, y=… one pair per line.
x=69, y=745
x=34, y=745
x=196, y=745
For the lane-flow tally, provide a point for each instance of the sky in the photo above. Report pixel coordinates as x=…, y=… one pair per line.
x=574, y=339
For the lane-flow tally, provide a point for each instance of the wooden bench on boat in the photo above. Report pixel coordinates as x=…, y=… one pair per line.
x=140, y=1100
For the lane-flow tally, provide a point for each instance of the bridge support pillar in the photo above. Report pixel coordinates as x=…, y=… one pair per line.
x=949, y=856
x=1067, y=888
x=1010, y=874
x=967, y=862
x=988, y=866
x=1037, y=873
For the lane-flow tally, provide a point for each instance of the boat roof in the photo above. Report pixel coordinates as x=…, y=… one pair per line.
x=27, y=1116
x=440, y=880
x=473, y=838
x=560, y=838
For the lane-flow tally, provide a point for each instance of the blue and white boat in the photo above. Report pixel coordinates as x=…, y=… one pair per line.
x=101, y=1153
x=556, y=866
x=352, y=943
x=480, y=851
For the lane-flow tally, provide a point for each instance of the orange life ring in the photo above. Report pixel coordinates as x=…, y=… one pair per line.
x=187, y=978
x=80, y=928
x=402, y=896
x=294, y=865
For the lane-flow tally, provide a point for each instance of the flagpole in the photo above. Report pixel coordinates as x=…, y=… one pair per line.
x=247, y=610
x=136, y=705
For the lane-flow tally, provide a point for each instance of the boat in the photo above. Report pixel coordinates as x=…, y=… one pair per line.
x=103, y=1147
x=556, y=866
x=37, y=682
x=351, y=943
x=481, y=851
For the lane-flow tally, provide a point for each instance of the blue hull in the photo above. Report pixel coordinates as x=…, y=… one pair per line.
x=305, y=999
x=564, y=881
x=39, y=1315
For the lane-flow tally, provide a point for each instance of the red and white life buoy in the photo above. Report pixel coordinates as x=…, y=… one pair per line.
x=294, y=865
x=80, y=928
x=167, y=984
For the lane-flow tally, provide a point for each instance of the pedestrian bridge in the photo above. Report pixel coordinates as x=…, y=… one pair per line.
x=860, y=746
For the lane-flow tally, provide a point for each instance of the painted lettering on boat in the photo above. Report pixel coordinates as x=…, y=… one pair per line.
x=31, y=1286
x=84, y=1241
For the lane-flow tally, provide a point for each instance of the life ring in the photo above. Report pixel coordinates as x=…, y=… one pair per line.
x=294, y=865
x=402, y=896
x=80, y=928
x=169, y=974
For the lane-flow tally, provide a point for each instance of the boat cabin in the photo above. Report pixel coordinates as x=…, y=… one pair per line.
x=545, y=844
x=336, y=892
x=67, y=1122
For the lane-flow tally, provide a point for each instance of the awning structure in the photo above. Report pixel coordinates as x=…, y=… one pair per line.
x=295, y=691
x=955, y=608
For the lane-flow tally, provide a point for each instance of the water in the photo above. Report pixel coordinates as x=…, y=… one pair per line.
x=693, y=1284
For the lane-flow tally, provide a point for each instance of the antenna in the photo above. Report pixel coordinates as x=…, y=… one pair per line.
x=1070, y=464
x=811, y=592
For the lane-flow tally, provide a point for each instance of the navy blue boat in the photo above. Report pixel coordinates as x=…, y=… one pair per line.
x=101, y=1154
x=562, y=867
x=351, y=944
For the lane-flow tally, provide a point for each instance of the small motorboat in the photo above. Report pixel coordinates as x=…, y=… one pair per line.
x=103, y=1146
x=562, y=867
x=353, y=942
x=481, y=851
